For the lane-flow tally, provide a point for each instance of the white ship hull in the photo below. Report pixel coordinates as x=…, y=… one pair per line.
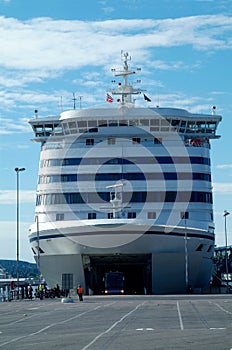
x=164, y=253
x=125, y=189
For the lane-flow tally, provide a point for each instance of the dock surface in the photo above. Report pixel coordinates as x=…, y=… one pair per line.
x=119, y=323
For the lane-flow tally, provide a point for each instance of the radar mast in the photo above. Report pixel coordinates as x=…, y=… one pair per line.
x=125, y=91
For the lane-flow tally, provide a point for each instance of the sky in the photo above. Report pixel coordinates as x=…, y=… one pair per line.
x=50, y=49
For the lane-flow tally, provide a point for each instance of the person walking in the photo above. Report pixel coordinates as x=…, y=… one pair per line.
x=30, y=290
x=80, y=291
x=40, y=290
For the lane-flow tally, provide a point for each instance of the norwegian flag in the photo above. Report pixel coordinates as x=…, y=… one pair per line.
x=109, y=98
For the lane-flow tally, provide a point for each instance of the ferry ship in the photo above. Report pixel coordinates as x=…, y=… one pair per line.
x=125, y=188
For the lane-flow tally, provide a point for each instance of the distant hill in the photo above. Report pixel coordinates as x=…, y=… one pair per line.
x=26, y=269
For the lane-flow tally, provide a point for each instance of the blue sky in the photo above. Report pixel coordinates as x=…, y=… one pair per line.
x=50, y=49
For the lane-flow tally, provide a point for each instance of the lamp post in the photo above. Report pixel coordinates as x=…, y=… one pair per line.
x=186, y=253
x=18, y=170
x=226, y=213
x=38, y=245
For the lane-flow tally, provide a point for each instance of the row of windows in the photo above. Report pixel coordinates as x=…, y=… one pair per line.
x=159, y=124
x=195, y=142
x=121, y=161
x=130, y=215
x=127, y=176
x=112, y=141
x=135, y=197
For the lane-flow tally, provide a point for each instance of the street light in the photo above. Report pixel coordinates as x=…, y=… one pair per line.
x=226, y=213
x=38, y=244
x=18, y=170
x=186, y=253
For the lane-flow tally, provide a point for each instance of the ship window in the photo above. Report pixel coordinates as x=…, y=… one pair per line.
x=58, y=129
x=67, y=178
x=114, y=161
x=154, y=122
x=113, y=123
x=72, y=125
x=59, y=217
x=111, y=141
x=200, y=160
x=164, y=122
x=66, y=128
x=199, y=248
x=48, y=127
x=164, y=160
x=210, y=248
x=136, y=197
x=210, y=127
x=92, y=123
x=201, y=176
x=102, y=123
x=73, y=198
x=39, y=128
x=184, y=215
x=151, y=215
x=170, y=176
x=133, y=122
x=135, y=140
x=157, y=141
x=144, y=122
x=170, y=196
x=38, y=200
x=82, y=124
x=89, y=142
x=131, y=215
x=110, y=216
x=154, y=128
x=191, y=127
x=92, y=216
x=200, y=127
x=175, y=122
x=123, y=123
x=182, y=126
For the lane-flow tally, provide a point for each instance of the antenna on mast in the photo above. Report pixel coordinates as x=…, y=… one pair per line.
x=74, y=101
x=80, y=99
x=61, y=104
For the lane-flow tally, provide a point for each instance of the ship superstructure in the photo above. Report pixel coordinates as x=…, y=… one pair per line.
x=127, y=189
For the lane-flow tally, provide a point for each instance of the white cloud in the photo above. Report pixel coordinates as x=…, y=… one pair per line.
x=9, y=197
x=47, y=44
x=222, y=188
x=9, y=126
x=43, y=48
x=224, y=166
x=108, y=10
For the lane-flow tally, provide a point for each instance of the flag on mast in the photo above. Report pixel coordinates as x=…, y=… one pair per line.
x=146, y=98
x=109, y=98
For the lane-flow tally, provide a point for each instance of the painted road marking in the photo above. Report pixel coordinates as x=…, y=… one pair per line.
x=217, y=328
x=180, y=317
x=111, y=327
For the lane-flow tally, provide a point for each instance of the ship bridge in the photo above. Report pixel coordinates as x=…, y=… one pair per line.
x=153, y=120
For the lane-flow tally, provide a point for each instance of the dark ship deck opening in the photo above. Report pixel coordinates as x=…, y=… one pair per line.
x=136, y=271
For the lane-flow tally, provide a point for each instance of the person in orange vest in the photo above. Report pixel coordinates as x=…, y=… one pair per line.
x=80, y=291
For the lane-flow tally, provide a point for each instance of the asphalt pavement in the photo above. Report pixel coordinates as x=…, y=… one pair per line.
x=118, y=323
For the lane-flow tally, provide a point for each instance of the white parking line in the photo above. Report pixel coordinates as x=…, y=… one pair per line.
x=47, y=327
x=111, y=327
x=180, y=317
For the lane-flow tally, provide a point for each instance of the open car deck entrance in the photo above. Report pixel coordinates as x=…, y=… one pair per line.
x=136, y=270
